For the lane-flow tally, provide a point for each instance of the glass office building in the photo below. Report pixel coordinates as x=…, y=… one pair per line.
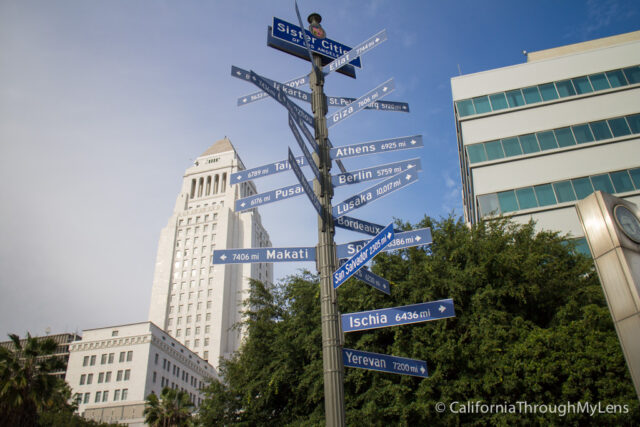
x=535, y=138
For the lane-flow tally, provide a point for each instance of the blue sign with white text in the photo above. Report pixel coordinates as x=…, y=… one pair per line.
x=356, y=52
x=354, y=224
x=395, y=316
x=279, y=95
x=376, y=192
x=291, y=33
x=305, y=185
x=371, y=279
x=401, y=240
x=375, y=172
x=356, y=262
x=376, y=147
x=384, y=363
x=359, y=104
x=265, y=170
x=257, y=255
x=272, y=196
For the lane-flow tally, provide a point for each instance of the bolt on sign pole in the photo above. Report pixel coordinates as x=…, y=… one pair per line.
x=333, y=369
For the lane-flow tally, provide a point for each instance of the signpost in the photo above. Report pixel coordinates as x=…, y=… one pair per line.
x=384, y=363
x=414, y=313
x=358, y=260
x=315, y=46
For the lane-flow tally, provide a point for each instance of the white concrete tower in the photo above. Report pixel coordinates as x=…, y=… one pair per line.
x=194, y=301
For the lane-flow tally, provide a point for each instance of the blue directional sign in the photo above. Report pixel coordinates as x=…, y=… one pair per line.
x=373, y=95
x=371, y=279
x=303, y=147
x=395, y=316
x=401, y=240
x=356, y=52
x=257, y=255
x=257, y=96
x=336, y=101
x=357, y=261
x=376, y=172
x=376, y=147
x=384, y=363
x=376, y=192
x=291, y=91
x=305, y=184
x=292, y=33
x=301, y=52
x=354, y=224
x=282, y=98
x=272, y=196
x=264, y=170
x=295, y=190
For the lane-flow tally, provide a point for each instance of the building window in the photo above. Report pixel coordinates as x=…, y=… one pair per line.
x=107, y=377
x=206, y=341
x=116, y=395
x=100, y=377
x=98, y=397
x=114, y=333
x=125, y=391
x=83, y=377
x=208, y=316
x=127, y=374
x=103, y=359
x=549, y=91
x=85, y=361
x=153, y=379
x=89, y=378
x=86, y=398
x=111, y=355
x=205, y=355
x=119, y=375
x=105, y=395
x=93, y=360
x=122, y=355
x=129, y=356
x=156, y=359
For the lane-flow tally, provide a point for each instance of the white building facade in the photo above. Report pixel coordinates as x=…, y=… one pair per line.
x=194, y=301
x=111, y=371
x=534, y=138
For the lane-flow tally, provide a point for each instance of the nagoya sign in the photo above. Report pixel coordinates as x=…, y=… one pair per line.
x=370, y=250
x=384, y=363
x=414, y=313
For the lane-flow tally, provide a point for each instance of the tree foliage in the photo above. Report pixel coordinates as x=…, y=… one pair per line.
x=172, y=409
x=29, y=394
x=531, y=326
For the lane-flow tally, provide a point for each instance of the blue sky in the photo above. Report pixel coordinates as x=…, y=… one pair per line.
x=104, y=104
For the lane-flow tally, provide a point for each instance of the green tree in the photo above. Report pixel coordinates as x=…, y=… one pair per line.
x=27, y=387
x=172, y=409
x=531, y=326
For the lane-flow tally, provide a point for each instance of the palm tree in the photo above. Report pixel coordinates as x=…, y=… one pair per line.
x=173, y=409
x=26, y=387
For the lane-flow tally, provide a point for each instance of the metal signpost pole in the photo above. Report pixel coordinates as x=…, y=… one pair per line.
x=333, y=369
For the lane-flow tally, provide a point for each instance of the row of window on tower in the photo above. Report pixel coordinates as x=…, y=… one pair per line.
x=208, y=186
